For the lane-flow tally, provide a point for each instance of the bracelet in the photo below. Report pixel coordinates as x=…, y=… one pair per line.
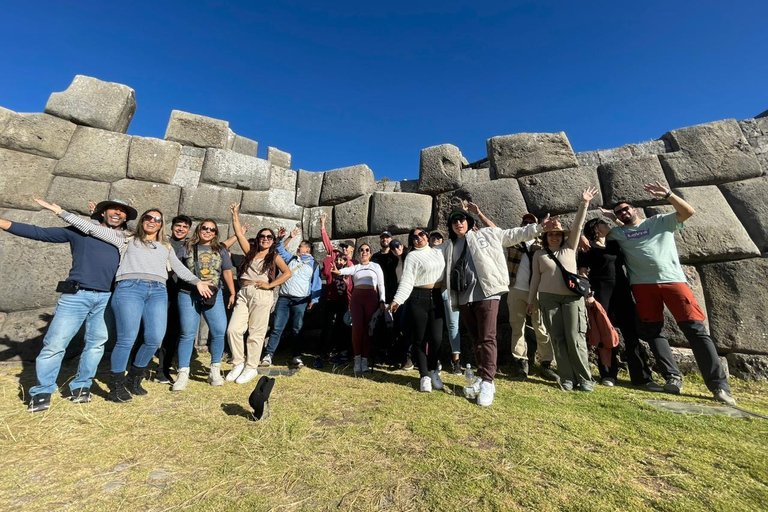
x=668, y=194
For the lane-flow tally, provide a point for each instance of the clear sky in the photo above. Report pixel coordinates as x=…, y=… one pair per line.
x=341, y=83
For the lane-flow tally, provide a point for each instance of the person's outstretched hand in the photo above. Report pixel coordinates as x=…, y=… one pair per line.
x=656, y=189
x=549, y=223
x=588, y=194
x=49, y=206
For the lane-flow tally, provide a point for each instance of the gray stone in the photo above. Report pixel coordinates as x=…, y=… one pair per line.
x=651, y=147
x=273, y=202
x=245, y=146
x=189, y=167
x=151, y=159
x=22, y=333
x=278, y=157
x=231, y=139
x=623, y=180
x=714, y=233
x=558, y=191
x=400, y=212
x=351, y=218
x=38, y=134
x=736, y=297
x=308, y=187
x=566, y=219
x=23, y=177
x=756, y=132
x=470, y=175
x=674, y=334
x=209, y=202
x=311, y=221
x=387, y=185
x=195, y=130
x=709, y=154
x=502, y=203
x=282, y=178
x=409, y=186
x=73, y=194
x=439, y=169
x=144, y=195
x=40, y=264
x=318, y=248
x=588, y=159
x=611, y=155
x=230, y=169
x=345, y=184
x=95, y=154
x=748, y=366
x=521, y=154
x=92, y=102
x=687, y=362
x=259, y=222
x=748, y=200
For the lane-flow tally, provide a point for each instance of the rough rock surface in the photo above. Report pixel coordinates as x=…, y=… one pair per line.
x=73, y=194
x=439, y=169
x=709, y=154
x=151, y=159
x=311, y=221
x=189, y=167
x=687, y=362
x=749, y=200
x=274, y=202
x=245, y=146
x=144, y=195
x=23, y=177
x=736, y=297
x=346, y=183
x=756, y=132
x=278, y=157
x=95, y=154
x=482, y=175
x=282, y=178
x=308, y=187
x=558, y=191
x=502, y=202
x=623, y=180
x=512, y=156
x=230, y=169
x=22, y=333
x=195, y=130
x=38, y=134
x=92, y=102
x=209, y=202
x=351, y=218
x=748, y=366
x=400, y=212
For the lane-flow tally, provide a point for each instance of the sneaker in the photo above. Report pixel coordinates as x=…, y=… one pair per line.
x=235, y=372
x=566, y=385
x=587, y=386
x=358, y=364
x=364, y=364
x=296, y=361
x=653, y=387
x=247, y=376
x=266, y=361
x=487, y=390
x=161, y=377
x=80, y=396
x=674, y=385
x=133, y=381
x=425, y=384
x=547, y=373
x=520, y=370
x=182, y=379
x=214, y=376
x=437, y=382
x=608, y=382
x=318, y=363
x=39, y=403
x=457, y=369
x=408, y=363
x=476, y=385
x=724, y=397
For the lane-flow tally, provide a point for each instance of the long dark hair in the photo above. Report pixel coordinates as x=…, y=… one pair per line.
x=267, y=266
x=410, y=241
x=195, y=238
x=590, y=229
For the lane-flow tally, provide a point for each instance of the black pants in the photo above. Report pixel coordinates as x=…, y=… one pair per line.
x=424, y=323
x=336, y=335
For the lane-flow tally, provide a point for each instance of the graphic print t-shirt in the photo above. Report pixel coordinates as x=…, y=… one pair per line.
x=211, y=264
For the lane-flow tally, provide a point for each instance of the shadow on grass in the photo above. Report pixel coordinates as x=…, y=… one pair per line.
x=237, y=410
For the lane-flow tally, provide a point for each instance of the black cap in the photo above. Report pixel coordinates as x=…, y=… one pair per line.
x=386, y=234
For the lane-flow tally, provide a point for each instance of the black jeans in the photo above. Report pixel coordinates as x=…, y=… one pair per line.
x=424, y=323
x=336, y=335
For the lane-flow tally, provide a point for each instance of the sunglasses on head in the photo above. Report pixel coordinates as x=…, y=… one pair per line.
x=150, y=218
x=209, y=228
x=266, y=237
x=622, y=210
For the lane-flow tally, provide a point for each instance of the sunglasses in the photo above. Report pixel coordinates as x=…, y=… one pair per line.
x=622, y=210
x=364, y=249
x=419, y=235
x=266, y=237
x=457, y=220
x=209, y=228
x=150, y=218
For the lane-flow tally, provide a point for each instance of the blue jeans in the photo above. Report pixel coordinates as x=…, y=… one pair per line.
x=286, y=308
x=71, y=311
x=452, y=322
x=134, y=301
x=190, y=308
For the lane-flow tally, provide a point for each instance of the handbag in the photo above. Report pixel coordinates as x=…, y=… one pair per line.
x=576, y=283
x=460, y=272
x=210, y=301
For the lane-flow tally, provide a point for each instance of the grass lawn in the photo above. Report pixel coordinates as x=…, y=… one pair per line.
x=335, y=442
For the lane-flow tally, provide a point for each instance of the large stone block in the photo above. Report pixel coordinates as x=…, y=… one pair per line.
x=73, y=194
x=502, y=202
x=311, y=221
x=282, y=178
x=245, y=146
x=756, y=132
x=308, y=187
x=748, y=366
x=400, y=212
x=623, y=180
x=151, y=159
x=611, y=155
x=230, y=169
x=38, y=134
x=209, y=202
x=558, y=191
x=687, y=364
x=144, y=195
x=259, y=222
x=651, y=147
x=736, y=296
x=92, y=102
x=351, y=218
x=195, y=130
x=512, y=156
x=278, y=157
x=37, y=266
x=273, y=202
x=95, y=154
x=22, y=333
x=709, y=154
x=749, y=200
x=471, y=175
x=714, y=233
x=23, y=177
x=409, y=186
x=346, y=183
x=189, y=167
x=439, y=169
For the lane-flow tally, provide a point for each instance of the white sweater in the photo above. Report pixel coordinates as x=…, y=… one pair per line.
x=366, y=275
x=423, y=266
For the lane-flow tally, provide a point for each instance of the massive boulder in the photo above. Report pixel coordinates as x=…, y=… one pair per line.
x=230, y=169
x=749, y=200
x=512, y=156
x=144, y=195
x=151, y=159
x=399, y=212
x=623, y=180
x=311, y=221
x=38, y=134
x=273, y=202
x=558, y=191
x=756, y=132
x=23, y=177
x=195, y=130
x=282, y=178
x=92, y=102
x=748, y=366
x=346, y=183
x=439, y=169
x=308, y=188
x=189, y=167
x=351, y=218
x=244, y=146
x=209, y=202
x=278, y=157
x=95, y=154
x=74, y=194
x=502, y=202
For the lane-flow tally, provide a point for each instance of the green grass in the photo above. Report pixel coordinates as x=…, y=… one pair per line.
x=334, y=442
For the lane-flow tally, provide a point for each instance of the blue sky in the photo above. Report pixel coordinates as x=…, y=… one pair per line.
x=376, y=83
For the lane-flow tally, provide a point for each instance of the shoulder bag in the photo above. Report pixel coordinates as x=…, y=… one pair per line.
x=576, y=283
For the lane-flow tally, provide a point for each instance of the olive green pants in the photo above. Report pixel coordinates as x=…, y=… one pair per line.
x=566, y=319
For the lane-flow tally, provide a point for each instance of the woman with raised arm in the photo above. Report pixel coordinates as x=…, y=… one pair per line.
x=258, y=276
x=564, y=311
x=140, y=296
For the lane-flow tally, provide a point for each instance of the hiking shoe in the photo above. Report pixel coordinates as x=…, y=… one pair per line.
x=608, y=382
x=182, y=379
x=408, y=365
x=364, y=364
x=587, y=386
x=520, y=370
x=247, y=376
x=724, y=397
x=161, y=377
x=566, y=385
x=214, y=376
x=318, y=363
x=487, y=390
x=266, y=360
x=674, y=385
x=235, y=372
x=547, y=373
x=39, y=403
x=437, y=382
x=117, y=390
x=80, y=396
x=425, y=384
x=133, y=381
x=457, y=369
x=653, y=387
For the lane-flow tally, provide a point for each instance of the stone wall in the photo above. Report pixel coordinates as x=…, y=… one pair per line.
x=78, y=150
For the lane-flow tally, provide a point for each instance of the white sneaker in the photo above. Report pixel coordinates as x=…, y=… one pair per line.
x=296, y=361
x=425, y=384
x=476, y=385
x=266, y=360
x=247, y=376
x=437, y=382
x=487, y=390
x=214, y=376
x=364, y=364
x=358, y=364
x=182, y=379
x=235, y=372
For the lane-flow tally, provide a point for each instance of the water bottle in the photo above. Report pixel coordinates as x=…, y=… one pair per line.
x=469, y=389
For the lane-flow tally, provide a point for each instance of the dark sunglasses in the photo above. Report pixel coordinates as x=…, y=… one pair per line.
x=456, y=220
x=150, y=218
x=209, y=228
x=419, y=235
x=364, y=249
x=266, y=237
x=622, y=210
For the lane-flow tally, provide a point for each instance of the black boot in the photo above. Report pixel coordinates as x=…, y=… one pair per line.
x=117, y=391
x=133, y=381
x=547, y=373
x=520, y=370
